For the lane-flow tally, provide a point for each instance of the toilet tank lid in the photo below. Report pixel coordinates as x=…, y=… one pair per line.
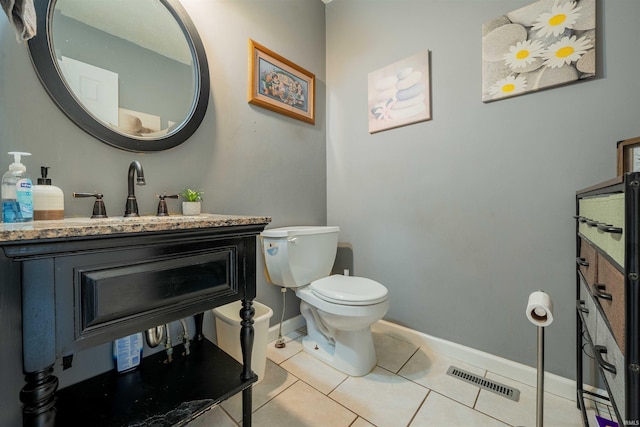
x=299, y=230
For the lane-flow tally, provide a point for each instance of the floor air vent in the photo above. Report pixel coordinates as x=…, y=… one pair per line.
x=495, y=387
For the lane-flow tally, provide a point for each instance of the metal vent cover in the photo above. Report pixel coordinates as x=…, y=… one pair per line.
x=493, y=386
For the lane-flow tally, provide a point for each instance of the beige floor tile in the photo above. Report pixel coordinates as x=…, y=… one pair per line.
x=558, y=412
x=438, y=410
x=302, y=406
x=430, y=369
x=213, y=417
x=314, y=372
x=392, y=353
x=381, y=397
x=275, y=381
x=293, y=346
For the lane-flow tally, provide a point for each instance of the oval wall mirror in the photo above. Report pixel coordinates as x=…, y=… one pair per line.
x=133, y=74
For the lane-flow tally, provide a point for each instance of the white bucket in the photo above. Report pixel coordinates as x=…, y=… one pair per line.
x=228, y=333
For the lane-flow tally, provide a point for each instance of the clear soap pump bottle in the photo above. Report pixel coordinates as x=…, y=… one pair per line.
x=17, y=195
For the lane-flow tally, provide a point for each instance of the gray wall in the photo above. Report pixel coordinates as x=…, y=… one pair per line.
x=463, y=216
x=247, y=159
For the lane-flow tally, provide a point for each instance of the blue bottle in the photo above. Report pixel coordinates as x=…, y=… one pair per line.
x=17, y=193
x=127, y=352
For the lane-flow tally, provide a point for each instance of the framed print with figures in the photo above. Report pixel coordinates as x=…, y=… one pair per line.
x=279, y=85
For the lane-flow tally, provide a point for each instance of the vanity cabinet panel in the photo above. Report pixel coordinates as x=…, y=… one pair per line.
x=608, y=355
x=608, y=309
x=106, y=295
x=85, y=283
x=589, y=311
x=141, y=287
x=609, y=290
x=611, y=361
x=601, y=221
x=588, y=262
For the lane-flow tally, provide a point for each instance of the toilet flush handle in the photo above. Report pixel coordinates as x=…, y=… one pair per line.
x=293, y=240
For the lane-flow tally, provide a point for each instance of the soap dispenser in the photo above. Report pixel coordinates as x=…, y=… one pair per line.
x=48, y=200
x=17, y=195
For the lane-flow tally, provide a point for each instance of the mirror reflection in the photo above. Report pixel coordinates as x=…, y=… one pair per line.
x=127, y=63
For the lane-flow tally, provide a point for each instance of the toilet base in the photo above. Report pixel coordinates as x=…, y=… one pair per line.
x=352, y=353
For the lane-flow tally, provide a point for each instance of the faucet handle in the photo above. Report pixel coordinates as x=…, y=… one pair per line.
x=162, y=205
x=99, y=210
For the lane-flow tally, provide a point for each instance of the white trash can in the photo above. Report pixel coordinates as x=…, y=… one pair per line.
x=228, y=333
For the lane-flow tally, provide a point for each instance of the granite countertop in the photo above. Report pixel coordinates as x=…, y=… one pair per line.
x=78, y=227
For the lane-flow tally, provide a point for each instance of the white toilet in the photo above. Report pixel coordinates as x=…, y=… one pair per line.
x=339, y=310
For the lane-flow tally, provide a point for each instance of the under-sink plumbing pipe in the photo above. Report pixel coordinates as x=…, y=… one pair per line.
x=167, y=344
x=155, y=336
x=280, y=341
x=185, y=337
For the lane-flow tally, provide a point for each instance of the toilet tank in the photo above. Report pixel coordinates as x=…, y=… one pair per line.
x=296, y=256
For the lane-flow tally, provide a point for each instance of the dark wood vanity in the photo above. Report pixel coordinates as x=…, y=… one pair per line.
x=85, y=282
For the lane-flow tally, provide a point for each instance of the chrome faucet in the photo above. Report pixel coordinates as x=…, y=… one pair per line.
x=131, y=208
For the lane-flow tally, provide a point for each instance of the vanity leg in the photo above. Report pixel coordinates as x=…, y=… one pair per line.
x=39, y=398
x=38, y=343
x=247, y=405
x=198, y=319
x=246, y=344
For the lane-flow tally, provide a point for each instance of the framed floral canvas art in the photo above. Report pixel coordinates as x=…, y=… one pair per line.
x=545, y=44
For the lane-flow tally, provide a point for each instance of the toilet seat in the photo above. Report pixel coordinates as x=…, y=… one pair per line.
x=349, y=290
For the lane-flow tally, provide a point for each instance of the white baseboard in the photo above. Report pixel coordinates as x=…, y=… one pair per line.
x=288, y=326
x=555, y=384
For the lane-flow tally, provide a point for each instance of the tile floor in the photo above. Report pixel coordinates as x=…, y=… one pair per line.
x=408, y=387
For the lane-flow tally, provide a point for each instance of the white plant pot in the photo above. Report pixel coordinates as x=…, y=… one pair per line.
x=191, y=208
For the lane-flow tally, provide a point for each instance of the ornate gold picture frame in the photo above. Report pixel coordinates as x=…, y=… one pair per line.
x=279, y=85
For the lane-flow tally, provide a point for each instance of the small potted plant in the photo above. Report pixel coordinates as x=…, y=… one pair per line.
x=192, y=204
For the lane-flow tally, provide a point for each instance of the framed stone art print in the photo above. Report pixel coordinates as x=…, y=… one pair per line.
x=399, y=94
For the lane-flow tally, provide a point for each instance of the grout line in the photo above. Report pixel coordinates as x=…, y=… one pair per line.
x=408, y=359
x=419, y=406
x=334, y=400
x=294, y=354
x=281, y=391
x=341, y=382
x=219, y=405
x=354, y=421
x=475, y=401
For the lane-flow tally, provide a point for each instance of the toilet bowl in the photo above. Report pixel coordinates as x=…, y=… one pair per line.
x=339, y=310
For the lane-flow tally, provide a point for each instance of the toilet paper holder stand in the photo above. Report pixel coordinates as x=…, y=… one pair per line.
x=541, y=315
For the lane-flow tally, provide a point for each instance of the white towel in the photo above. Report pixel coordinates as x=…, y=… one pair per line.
x=22, y=15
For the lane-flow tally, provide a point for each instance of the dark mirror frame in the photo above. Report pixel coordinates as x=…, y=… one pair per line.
x=43, y=59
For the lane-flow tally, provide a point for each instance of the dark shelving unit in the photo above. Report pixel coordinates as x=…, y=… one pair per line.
x=624, y=400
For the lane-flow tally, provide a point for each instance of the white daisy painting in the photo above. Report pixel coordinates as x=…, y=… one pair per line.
x=398, y=94
x=545, y=44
